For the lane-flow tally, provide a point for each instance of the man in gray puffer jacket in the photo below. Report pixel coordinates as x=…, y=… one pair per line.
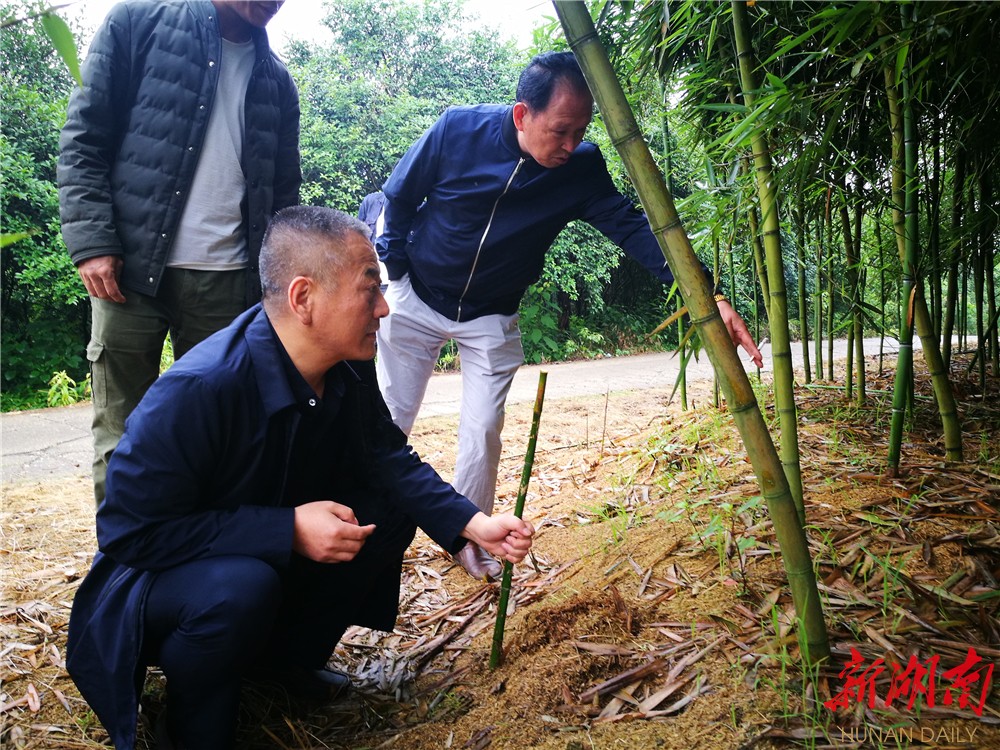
x=177, y=150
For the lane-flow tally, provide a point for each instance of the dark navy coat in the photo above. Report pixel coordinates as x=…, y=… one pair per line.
x=201, y=472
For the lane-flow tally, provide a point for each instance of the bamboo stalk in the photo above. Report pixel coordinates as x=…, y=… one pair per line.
x=777, y=308
x=881, y=291
x=914, y=313
x=496, y=655
x=676, y=247
x=851, y=269
x=860, y=276
x=800, y=226
x=818, y=306
x=904, y=358
x=955, y=258
x=830, y=308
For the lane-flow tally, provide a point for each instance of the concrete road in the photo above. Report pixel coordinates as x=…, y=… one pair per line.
x=55, y=443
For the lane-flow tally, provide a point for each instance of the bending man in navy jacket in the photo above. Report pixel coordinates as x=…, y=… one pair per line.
x=499, y=183
x=261, y=500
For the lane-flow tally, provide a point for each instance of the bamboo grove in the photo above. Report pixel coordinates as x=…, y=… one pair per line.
x=784, y=510
x=851, y=145
x=851, y=149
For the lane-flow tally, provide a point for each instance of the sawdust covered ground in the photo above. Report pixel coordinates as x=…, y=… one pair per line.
x=649, y=618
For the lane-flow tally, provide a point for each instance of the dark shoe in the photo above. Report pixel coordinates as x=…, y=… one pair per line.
x=324, y=684
x=335, y=683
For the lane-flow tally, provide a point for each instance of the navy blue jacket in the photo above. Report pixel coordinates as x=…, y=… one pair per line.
x=201, y=472
x=492, y=213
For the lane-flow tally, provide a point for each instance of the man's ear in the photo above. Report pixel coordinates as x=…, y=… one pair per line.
x=300, y=293
x=520, y=110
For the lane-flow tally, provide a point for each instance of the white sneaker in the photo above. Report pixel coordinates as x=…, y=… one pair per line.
x=477, y=562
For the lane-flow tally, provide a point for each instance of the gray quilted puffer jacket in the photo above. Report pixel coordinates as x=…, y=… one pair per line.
x=134, y=133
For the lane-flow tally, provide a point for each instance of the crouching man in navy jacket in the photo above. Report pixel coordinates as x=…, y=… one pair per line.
x=261, y=500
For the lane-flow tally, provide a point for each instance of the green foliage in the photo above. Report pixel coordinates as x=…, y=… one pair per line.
x=64, y=391
x=580, y=263
x=547, y=334
x=166, y=355
x=539, y=323
x=28, y=50
x=583, y=342
x=391, y=70
x=620, y=515
x=43, y=317
x=63, y=42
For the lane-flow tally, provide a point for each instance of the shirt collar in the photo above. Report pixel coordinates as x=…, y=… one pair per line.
x=280, y=384
x=508, y=133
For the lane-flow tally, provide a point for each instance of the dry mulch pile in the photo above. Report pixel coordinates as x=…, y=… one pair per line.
x=653, y=612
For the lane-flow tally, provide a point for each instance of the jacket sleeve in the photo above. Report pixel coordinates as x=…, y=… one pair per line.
x=417, y=489
x=407, y=187
x=611, y=213
x=163, y=505
x=89, y=141
x=287, y=166
x=429, y=501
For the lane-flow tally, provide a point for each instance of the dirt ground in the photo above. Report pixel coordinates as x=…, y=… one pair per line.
x=654, y=612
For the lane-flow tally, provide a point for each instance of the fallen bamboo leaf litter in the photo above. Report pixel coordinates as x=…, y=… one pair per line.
x=425, y=683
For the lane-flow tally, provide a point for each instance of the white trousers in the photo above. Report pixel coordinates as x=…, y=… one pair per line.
x=409, y=343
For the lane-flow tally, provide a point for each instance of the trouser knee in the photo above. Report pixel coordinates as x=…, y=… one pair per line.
x=209, y=614
x=205, y=621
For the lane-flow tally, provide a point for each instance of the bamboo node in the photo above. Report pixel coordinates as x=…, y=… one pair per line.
x=668, y=227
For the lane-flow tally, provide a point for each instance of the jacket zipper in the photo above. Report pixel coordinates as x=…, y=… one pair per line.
x=482, y=240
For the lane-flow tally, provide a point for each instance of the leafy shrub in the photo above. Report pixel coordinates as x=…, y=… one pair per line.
x=43, y=317
x=540, y=335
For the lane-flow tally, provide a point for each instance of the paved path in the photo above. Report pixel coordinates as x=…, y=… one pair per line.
x=54, y=443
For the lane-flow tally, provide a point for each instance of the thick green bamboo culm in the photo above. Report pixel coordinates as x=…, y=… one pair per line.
x=777, y=310
x=496, y=654
x=915, y=311
x=676, y=247
x=906, y=246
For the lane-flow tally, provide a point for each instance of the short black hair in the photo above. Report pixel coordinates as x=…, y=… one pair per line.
x=304, y=241
x=544, y=73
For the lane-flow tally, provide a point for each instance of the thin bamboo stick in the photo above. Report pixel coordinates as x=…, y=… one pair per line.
x=496, y=655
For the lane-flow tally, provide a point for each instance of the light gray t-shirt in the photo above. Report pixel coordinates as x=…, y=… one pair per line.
x=211, y=235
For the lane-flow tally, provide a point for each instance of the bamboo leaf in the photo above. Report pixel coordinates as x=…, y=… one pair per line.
x=776, y=82
x=62, y=39
x=9, y=238
x=901, y=61
x=723, y=107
